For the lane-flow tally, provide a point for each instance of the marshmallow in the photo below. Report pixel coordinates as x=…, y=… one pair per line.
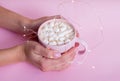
x=62, y=24
x=53, y=43
x=56, y=23
x=70, y=30
x=45, y=41
x=56, y=29
x=60, y=43
x=63, y=28
x=61, y=34
x=51, y=34
x=56, y=38
x=62, y=38
x=51, y=39
x=56, y=33
x=68, y=40
x=67, y=35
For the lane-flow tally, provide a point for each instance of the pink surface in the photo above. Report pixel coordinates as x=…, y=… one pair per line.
x=102, y=64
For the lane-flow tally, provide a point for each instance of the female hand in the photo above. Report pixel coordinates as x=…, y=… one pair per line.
x=44, y=58
x=32, y=26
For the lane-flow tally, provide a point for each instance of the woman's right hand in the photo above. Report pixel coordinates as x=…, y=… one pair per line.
x=45, y=59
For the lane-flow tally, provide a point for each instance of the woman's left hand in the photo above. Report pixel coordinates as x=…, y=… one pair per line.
x=33, y=25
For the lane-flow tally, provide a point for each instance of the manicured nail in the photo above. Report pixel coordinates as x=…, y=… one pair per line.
x=76, y=44
x=57, y=55
x=51, y=57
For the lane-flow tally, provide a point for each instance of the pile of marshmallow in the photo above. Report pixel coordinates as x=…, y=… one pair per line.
x=56, y=32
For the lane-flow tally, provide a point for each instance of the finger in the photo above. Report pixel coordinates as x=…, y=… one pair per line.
x=48, y=53
x=35, y=60
x=55, y=17
x=52, y=53
x=54, y=64
x=73, y=48
x=69, y=61
x=40, y=62
x=66, y=64
x=68, y=58
x=36, y=65
x=61, y=67
x=40, y=50
x=65, y=58
x=68, y=55
x=41, y=20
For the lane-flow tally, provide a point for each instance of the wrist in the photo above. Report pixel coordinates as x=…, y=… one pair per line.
x=24, y=21
x=21, y=52
x=12, y=55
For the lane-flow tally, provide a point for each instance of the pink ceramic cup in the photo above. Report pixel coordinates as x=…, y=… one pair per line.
x=67, y=46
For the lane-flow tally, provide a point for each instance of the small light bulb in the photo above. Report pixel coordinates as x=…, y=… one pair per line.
x=93, y=67
x=24, y=35
x=73, y=1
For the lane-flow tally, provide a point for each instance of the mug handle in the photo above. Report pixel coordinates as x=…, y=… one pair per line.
x=83, y=45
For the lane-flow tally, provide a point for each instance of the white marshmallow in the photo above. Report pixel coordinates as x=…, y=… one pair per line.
x=62, y=24
x=70, y=30
x=68, y=27
x=63, y=28
x=45, y=41
x=56, y=23
x=60, y=43
x=68, y=40
x=51, y=34
x=56, y=29
x=62, y=38
x=56, y=38
x=67, y=35
x=54, y=35
x=51, y=39
x=53, y=43
x=61, y=35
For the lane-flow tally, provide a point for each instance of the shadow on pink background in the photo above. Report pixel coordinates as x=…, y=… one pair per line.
x=102, y=64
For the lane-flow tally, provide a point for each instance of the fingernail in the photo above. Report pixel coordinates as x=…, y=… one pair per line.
x=76, y=44
x=51, y=57
x=57, y=55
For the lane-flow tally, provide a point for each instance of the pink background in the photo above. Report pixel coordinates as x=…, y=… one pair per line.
x=102, y=64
